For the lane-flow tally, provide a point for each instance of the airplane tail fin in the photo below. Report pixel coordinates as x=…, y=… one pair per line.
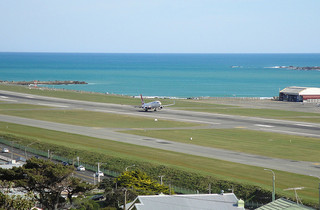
x=142, y=102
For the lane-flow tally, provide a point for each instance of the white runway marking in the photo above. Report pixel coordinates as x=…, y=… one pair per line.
x=54, y=105
x=266, y=126
x=306, y=125
x=3, y=96
x=293, y=133
x=9, y=100
x=29, y=96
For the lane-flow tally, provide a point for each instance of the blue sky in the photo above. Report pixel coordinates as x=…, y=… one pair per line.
x=160, y=26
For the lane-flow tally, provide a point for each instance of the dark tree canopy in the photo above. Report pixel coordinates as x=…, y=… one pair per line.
x=47, y=180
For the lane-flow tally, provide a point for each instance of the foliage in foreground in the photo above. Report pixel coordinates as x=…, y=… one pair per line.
x=14, y=201
x=141, y=182
x=46, y=180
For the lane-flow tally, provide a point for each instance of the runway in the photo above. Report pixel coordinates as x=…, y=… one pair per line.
x=212, y=120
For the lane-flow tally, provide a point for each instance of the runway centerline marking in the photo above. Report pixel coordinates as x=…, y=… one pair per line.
x=306, y=125
x=266, y=126
x=29, y=96
x=159, y=117
x=54, y=105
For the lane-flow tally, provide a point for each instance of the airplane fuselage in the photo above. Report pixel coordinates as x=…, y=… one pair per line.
x=152, y=105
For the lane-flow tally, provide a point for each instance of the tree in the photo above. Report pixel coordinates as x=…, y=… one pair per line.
x=46, y=179
x=76, y=185
x=14, y=201
x=141, y=182
x=131, y=183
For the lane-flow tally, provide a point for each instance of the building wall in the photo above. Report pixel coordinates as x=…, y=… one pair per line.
x=306, y=97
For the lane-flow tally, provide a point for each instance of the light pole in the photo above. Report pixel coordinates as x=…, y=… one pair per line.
x=12, y=150
x=319, y=188
x=130, y=166
x=161, y=179
x=273, y=183
x=12, y=142
x=25, y=149
x=98, y=173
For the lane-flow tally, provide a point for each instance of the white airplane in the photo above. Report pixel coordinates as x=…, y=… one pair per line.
x=155, y=105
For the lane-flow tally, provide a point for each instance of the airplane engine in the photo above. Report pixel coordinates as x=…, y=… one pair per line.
x=160, y=107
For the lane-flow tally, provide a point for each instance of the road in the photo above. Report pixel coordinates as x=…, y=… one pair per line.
x=212, y=120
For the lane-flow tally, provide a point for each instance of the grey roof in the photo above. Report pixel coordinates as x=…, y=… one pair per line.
x=293, y=90
x=283, y=203
x=227, y=201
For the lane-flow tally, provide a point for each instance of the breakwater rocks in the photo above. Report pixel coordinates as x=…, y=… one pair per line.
x=304, y=68
x=37, y=82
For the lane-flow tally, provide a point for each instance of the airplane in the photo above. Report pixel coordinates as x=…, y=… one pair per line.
x=155, y=105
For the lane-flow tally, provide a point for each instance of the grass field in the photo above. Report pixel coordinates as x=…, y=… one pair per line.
x=265, y=113
x=95, y=119
x=192, y=105
x=205, y=166
x=247, y=141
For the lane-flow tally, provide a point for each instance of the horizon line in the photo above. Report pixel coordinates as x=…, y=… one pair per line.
x=159, y=52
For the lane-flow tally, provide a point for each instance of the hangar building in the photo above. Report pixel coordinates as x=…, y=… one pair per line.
x=300, y=94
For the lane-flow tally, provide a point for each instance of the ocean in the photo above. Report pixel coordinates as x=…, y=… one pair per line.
x=170, y=75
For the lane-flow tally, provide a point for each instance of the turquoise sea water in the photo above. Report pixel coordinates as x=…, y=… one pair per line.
x=179, y=75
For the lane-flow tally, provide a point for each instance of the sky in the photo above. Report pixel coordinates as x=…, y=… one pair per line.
x=160, y=26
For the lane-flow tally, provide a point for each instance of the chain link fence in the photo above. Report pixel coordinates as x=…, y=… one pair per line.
x=74, y=162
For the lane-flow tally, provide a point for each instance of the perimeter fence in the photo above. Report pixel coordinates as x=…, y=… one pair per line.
x=73, y=162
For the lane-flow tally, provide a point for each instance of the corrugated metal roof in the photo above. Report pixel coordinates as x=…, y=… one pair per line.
x=281, y=204
x=301, y=91
x=227, y=201
x=310, y=91
x=292, y=90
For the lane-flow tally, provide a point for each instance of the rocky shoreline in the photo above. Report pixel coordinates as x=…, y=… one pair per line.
x=304, y=68
x=37, y=82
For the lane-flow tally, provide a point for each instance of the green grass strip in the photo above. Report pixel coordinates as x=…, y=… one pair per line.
x=95, y=119
x=247, y=141
x=265, y=113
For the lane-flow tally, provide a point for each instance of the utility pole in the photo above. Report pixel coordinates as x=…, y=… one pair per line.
x=209, y=188
x=273, y=184
x=12, y=150
x=161, y=179
x=98, y=172
x=125, y=199
x=25, y=149
x=130, y=166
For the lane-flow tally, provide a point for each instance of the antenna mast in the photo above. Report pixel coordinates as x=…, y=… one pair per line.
x=296, y=194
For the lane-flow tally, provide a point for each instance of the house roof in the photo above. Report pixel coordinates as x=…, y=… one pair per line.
x=283, y=204
x=227, y=201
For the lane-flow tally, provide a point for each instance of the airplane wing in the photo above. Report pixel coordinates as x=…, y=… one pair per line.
x=174, y=102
